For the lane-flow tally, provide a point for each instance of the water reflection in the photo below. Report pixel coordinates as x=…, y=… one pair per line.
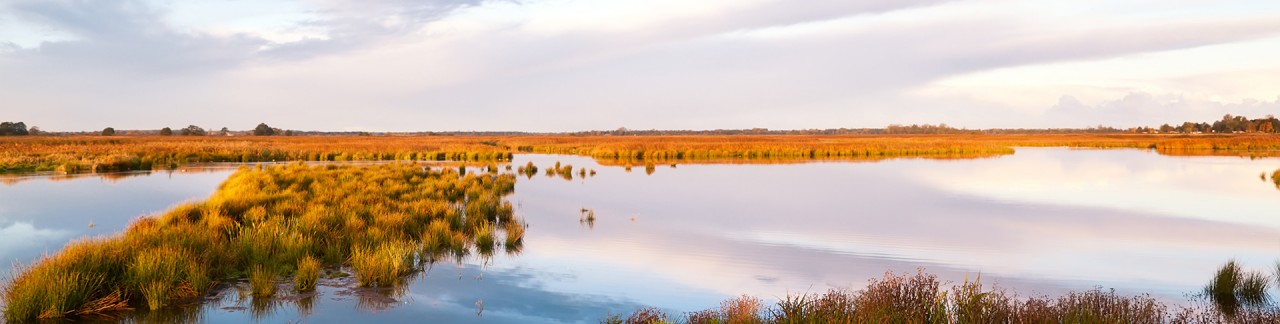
x=40, y=214
x=1041, y=221
x=446, y=292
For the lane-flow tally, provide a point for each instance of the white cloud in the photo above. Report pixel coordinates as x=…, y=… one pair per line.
x=568, y=65
x=22, y=236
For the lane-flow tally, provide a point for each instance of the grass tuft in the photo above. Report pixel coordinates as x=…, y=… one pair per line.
x=382, y=266
x=262, y=282
x=307, y=275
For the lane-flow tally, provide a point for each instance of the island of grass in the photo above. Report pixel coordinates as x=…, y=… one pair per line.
x=268, y=223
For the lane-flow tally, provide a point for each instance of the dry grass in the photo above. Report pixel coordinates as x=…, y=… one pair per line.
x=918, y=298
x=98, y=154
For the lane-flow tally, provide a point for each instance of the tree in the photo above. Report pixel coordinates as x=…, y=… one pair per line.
x=224, y=132
x=193, y=130
x=108, y=131
x=35, y=131
x=166, y=132
x=1188, y=127
x=13, y=129
x=263, y=130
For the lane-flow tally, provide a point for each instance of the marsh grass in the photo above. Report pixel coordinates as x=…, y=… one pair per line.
x=307, y=275
x=515, y=233
x=77, y=154
x=1275, y=177
x=382, y=266
x=262, y=282
x=1233, y=289
x=920, y=298
x=563, y=171
x=587, y=218
x=123, y=153
x=269, y=222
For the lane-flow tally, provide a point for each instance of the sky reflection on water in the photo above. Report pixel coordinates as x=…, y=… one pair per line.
x=1041, y=221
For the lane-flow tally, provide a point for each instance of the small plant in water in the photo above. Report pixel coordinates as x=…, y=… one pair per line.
x=588, y=217
x=262, y=281
x=308, y=273
x=1233, y=289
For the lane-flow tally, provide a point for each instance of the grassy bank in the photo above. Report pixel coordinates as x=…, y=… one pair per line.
x=921, y=298
x=268, y=224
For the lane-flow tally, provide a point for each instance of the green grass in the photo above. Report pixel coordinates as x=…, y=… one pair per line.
x=269, y=222
x=262, y=282
x=1233, y=289
x=157, y=272
x=308, y=274
x=382, y=266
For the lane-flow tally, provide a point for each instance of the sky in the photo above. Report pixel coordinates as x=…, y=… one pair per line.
x=569, y=65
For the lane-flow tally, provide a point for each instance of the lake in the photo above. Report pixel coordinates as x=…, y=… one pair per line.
x=1039, y=222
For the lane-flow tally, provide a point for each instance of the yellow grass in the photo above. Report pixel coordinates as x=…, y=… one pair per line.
x=267, y=222
x=100, y=154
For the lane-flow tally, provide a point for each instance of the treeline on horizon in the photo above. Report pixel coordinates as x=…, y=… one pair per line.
x=1228, y=124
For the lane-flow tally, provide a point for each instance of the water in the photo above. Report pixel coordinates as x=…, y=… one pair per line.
x=1042, y=221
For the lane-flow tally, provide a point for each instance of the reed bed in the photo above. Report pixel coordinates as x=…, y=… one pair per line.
x=85, y=154
x=921, y=298
x=267, y=223
x=666, y=149
x=123, y=153
x=640, y=150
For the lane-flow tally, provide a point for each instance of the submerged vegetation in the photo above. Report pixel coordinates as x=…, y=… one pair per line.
x=922, y=298
x=268, y=223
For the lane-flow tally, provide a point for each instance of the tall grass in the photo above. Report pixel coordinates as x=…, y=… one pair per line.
x=1233, y=289
x=308, y=274
x=262, y=282
x=96, y=154
x=266, y=222
x=920, y=298
x=383, y=265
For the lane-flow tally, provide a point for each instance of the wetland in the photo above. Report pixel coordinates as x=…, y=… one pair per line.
x=596, y=237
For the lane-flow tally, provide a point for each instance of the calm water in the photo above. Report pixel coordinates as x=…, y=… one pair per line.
x=1041, y=221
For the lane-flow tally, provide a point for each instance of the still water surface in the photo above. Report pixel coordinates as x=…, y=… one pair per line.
x=684, y=238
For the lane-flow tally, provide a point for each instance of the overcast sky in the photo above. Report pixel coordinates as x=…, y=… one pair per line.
x=564, y=65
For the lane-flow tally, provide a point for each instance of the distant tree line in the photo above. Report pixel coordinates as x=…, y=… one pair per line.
x=13, y=129
x=1228, y=124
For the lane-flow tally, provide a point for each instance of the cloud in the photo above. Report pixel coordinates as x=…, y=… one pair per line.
x=353, y=24
x=1145, y=109
x=408, y=65
x=19, y=240
x=122, y=37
